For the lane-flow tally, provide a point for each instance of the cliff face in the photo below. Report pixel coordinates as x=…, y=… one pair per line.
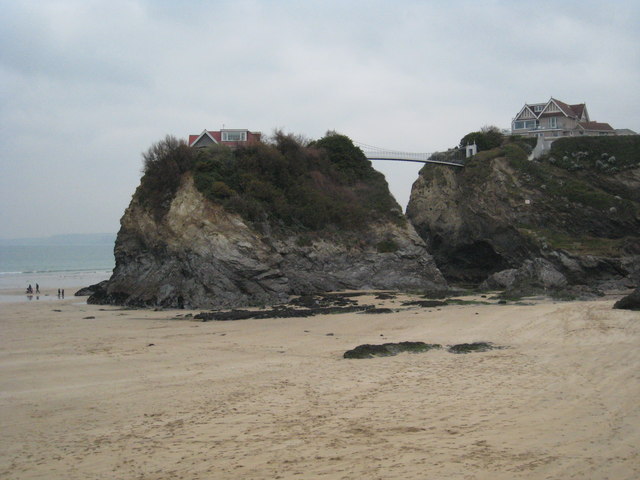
x=196, y=252
x=576, y=214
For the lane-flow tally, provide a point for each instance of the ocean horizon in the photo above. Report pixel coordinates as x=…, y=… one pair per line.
x=54, y=266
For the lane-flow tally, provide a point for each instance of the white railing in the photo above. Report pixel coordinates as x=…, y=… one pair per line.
x=375, y=153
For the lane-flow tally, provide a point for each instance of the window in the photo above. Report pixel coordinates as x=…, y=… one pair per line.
x=553, y=122
x=529, y=124
x=538, y=108
x=234, y=136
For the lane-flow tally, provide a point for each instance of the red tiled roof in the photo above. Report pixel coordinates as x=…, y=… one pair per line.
x=595, y=126
x=578, y=108
x=568, y=111
x=217, y=136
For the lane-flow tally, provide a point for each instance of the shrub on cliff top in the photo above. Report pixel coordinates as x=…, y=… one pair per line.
x=308, y=185
x=487, y=138
x=164, y=163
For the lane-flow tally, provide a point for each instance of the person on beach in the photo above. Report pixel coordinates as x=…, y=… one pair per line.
x=29, y=290
x=63, y=293
x=37, y=288
x=58, y=293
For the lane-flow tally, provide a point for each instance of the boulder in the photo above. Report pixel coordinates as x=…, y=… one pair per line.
x=92, y=289
x=538, y=273
x=630, y=302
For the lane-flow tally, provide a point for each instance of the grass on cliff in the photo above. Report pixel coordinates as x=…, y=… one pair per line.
x=309, y=186
x=582, y=199
x=580, y=245
x=607, y=154
x=578, y=180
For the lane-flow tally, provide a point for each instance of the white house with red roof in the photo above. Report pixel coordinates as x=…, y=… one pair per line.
x=229, y=137
x=557, y=119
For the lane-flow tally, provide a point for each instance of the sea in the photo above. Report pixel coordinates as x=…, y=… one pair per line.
x=52, y=267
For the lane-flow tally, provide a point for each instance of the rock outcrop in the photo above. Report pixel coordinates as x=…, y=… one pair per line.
x=537, y=272
x=504, y=219
x=629, y=302
x=198, y=253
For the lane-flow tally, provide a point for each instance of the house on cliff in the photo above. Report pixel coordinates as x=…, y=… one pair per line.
x=228, y=137
x=557, y=119
x=554, y=119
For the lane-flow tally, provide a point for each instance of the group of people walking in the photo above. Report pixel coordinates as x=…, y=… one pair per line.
x=30, y=291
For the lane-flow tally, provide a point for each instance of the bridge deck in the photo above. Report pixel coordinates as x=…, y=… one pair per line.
x=411, y=157
x=375, y=153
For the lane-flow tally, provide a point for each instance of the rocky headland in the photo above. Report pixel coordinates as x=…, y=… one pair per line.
x=567, y=222
x=215, y=227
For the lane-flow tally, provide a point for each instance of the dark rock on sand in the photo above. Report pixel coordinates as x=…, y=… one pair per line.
x=325, y=300
x=92, y=289
x=278, y=312
x=389, y=349
x=378, y=310
x=473, y=347
x=630, y=302
x=425, y=303
x=385, y=296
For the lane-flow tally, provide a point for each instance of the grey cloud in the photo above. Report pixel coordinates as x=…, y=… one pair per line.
x=88, y=85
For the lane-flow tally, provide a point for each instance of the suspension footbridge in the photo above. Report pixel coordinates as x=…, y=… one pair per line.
x=377, y=153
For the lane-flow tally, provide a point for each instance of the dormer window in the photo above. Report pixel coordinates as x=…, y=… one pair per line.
x=538, y=108
x=231, y=136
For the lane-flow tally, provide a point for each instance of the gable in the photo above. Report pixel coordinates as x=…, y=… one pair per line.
x=525, y=113
x=565, y=109
x=203, y=140
x=552, y=107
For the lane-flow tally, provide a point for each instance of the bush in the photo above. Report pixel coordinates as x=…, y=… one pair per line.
x=221, y=190
x=514, y=153
x=347, y=159
x=486, y=139
x=291, y=182
x=164, y=164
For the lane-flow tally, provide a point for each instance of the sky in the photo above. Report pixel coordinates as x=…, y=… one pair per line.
x=86, y=86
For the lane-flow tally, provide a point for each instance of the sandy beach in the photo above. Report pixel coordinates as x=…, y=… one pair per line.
x=94, y=392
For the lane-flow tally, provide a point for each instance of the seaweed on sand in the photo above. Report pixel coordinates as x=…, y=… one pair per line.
x=473, y=347
x=389, y=349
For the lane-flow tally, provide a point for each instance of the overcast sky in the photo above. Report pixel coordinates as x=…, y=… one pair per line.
x=86, y=86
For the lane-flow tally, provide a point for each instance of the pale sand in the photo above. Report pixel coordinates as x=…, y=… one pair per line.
x=266, y=399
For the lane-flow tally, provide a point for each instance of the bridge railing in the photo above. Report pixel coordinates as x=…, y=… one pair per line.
x=451, y=157
x=414, y=157
x=397, y=155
